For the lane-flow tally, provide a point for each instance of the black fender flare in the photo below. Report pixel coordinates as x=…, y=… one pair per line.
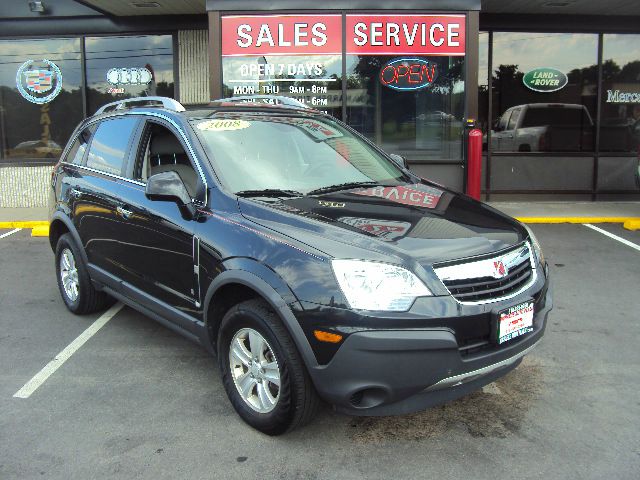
x=274, y=299
x=60, y=216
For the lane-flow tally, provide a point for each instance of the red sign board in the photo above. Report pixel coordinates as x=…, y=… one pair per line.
x=405, y=34
x=281, y=35
x=322, y=35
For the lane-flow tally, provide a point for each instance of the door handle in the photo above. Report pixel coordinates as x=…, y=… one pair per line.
x=124, y=213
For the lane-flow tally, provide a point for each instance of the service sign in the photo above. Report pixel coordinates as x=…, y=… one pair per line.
x=406, y=35
x=281, y=35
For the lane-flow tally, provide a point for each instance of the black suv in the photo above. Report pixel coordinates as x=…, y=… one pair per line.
x=313, y=264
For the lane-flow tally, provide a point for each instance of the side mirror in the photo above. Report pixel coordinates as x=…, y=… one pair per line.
x=168, y=186
x=400, y=160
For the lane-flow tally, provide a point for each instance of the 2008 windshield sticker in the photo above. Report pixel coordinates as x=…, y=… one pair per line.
x=223, y=125
x=415, y=195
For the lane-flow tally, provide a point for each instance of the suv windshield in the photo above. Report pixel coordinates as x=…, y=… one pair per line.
x=252, y=153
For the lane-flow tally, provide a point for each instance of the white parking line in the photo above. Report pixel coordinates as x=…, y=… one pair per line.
x=50, y=368
x=611, y=235
x=10, y=233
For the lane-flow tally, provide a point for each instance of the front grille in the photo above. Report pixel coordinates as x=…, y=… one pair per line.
x=475, y=281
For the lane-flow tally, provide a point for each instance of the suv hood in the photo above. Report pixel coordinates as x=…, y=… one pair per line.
x=420, y=222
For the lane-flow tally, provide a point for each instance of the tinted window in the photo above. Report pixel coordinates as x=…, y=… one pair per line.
x=502, y=125
x=513, y=121
x=125, y=67
x=43, y=70
x=521, y=63
x=424, y=124
x=109, y=145
x=556, y=116
x=620, y=124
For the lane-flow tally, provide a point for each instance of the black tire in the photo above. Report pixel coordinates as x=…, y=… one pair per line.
x=88, y=299
x=298, y=401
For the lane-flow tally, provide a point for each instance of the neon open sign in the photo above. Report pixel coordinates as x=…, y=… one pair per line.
x=408, y=74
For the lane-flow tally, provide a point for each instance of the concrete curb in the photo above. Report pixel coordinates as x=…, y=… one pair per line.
x=39, y=228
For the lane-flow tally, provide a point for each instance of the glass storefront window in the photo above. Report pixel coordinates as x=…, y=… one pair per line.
x=40, y=98
x=544, y=92
x=422, y=124
x=126, y=67
x=620, y=119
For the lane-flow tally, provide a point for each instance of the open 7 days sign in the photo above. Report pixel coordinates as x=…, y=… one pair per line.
x=322, y=35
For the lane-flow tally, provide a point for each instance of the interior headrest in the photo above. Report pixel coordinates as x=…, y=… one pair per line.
x=166, y=145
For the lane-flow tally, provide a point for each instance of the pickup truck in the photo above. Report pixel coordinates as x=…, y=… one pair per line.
x=543, y=127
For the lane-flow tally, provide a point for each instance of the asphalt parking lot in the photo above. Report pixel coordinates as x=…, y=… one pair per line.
x=138, y=401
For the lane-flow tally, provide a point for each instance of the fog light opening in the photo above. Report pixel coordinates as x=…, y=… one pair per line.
x=368, y=397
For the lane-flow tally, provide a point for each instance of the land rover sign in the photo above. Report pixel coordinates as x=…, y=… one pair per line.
x=544, y=79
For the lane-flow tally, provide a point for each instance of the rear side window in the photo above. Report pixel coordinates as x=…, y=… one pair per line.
x=76, y=152
x=109, y=145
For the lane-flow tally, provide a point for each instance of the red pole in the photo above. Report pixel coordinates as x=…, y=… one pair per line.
x=474, y=163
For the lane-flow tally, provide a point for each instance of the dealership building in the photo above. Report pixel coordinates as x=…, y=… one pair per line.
x=554, y=85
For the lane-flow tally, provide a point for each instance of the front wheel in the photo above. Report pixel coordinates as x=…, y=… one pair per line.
x=262, y=372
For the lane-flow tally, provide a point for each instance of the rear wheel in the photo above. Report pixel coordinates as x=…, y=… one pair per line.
x=263, y=374
x=76, y=289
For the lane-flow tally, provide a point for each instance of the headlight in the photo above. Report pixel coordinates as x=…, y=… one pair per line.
x=536, y=246
x=378, y=286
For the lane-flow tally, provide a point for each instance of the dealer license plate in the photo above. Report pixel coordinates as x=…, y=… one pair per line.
x=515, y=321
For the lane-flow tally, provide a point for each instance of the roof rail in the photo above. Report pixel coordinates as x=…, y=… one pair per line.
x=166, y=102
x=266, y=99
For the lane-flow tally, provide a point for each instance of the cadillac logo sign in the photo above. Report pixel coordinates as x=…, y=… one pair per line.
x=39, y=81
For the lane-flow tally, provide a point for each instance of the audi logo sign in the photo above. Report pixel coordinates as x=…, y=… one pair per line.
x=129, y=76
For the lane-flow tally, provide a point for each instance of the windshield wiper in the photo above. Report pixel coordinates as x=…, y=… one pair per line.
x=269, y=192
x=341, y=186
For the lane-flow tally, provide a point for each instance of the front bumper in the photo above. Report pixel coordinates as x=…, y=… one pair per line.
x=392, y=372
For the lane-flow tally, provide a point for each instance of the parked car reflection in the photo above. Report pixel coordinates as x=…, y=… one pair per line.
x=36, y=149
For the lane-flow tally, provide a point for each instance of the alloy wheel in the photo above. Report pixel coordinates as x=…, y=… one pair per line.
x=254, y=370
x=69, y=274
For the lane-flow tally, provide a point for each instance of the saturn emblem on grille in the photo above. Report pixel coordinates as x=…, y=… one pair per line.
x=500, y=269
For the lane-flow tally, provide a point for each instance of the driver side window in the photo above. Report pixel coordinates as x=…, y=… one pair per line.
x=504, y=120
x=161, y=151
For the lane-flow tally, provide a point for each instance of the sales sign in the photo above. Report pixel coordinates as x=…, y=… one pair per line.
x=259, y=35
x=281, y=35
